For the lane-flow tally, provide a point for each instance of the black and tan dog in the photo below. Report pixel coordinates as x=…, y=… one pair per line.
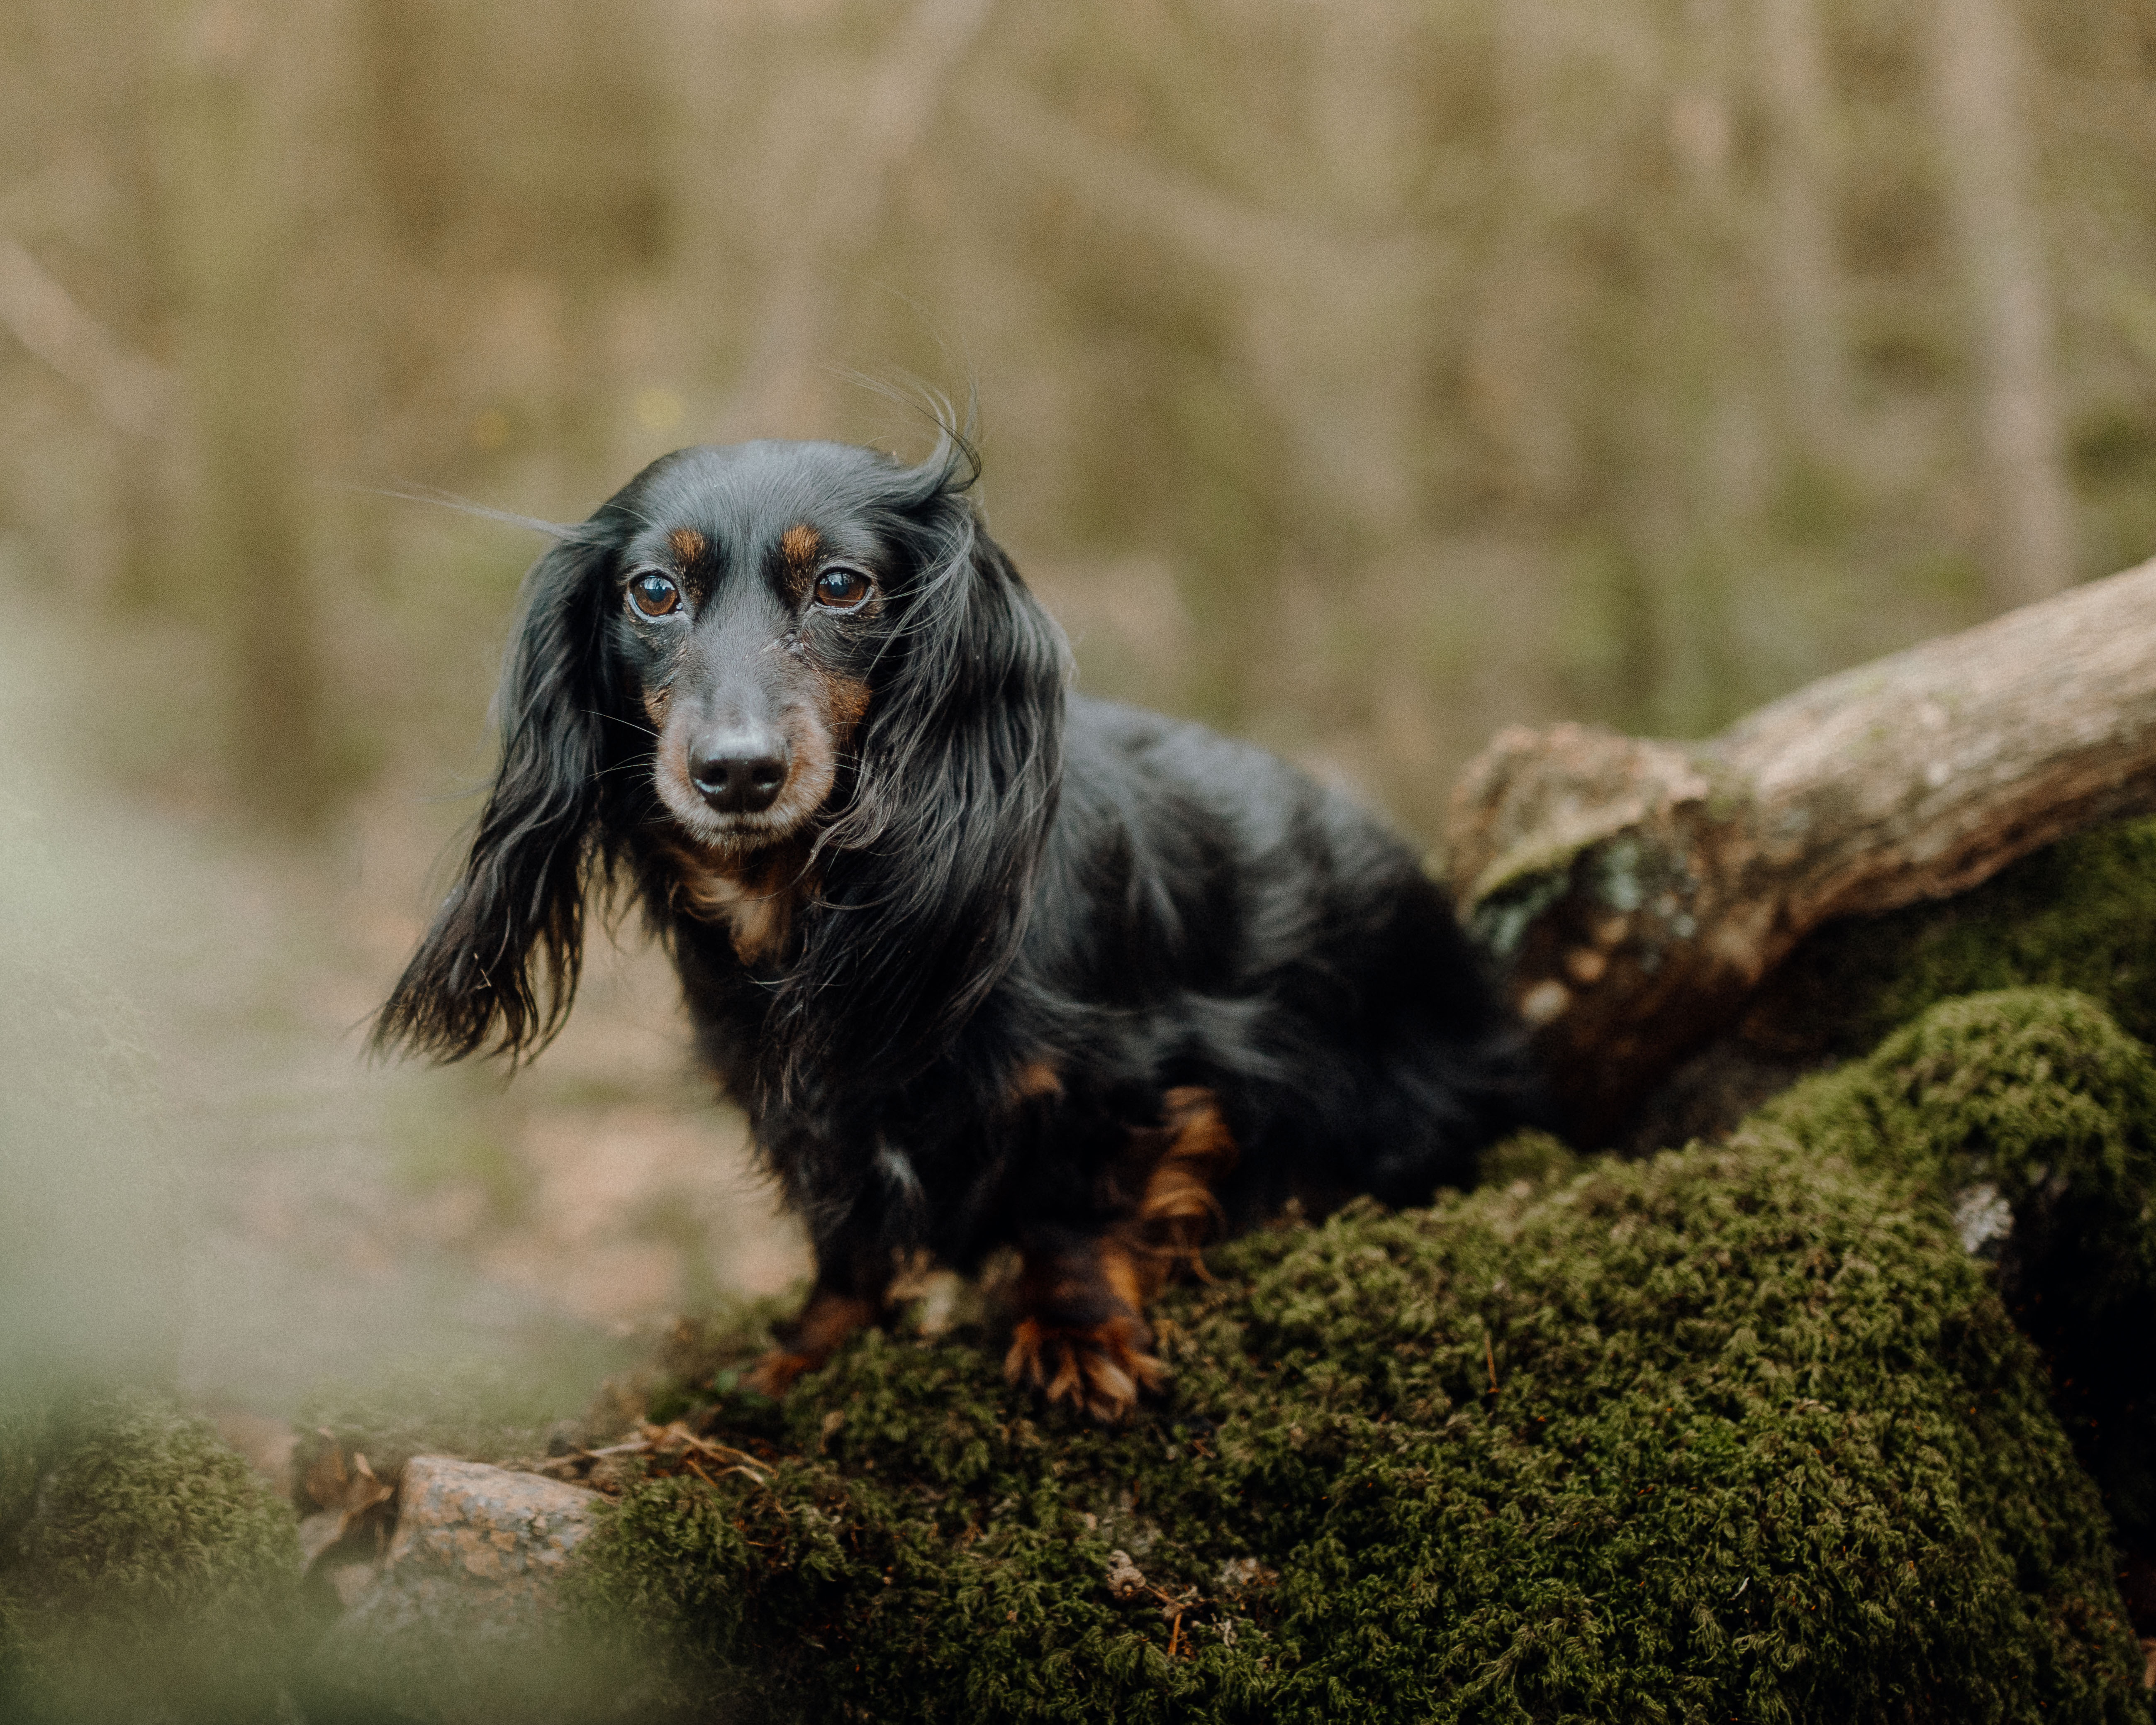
x=986, y=964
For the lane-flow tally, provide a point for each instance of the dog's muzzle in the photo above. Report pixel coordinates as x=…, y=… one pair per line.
x=741, y=773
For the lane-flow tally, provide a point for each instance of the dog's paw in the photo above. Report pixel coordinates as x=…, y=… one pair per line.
x=774, y=1375
x=811, y=1339
x=1101, y=1369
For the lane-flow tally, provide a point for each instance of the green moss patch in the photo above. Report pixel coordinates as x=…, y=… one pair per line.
x=2033, y=1116
x=1737, y=1433
x=151, y=1575
x=2080, y=914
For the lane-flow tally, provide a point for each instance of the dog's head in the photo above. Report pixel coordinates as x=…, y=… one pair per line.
x=758, y=592
x=800, y=651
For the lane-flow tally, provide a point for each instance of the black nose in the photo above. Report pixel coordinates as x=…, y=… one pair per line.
x=738, y=776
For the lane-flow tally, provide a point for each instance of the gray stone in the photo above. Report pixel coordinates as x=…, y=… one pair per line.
x=463, y=1618
x=501, y=1535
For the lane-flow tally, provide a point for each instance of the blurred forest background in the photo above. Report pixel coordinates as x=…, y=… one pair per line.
x=1355, y=376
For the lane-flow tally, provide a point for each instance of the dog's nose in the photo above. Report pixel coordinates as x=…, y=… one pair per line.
x=740, y=775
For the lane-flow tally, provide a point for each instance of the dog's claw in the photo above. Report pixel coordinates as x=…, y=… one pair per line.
x=1101, y=1370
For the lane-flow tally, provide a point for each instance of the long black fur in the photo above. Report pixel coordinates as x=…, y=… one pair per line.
x=1006, y=874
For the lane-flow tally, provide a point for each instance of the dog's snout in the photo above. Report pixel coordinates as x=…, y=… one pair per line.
x=738, y=773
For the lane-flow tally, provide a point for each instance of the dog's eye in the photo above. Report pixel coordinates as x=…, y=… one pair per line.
x=653, y=595
x=841, y=589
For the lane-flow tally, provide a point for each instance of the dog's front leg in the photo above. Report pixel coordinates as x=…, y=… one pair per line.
x=852, y=1285
x=1082, y=1335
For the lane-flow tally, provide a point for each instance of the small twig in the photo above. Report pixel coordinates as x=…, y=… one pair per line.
x=1172, y=1609
x=718, y=1452
x=1490, y=1353
x=668, y=1439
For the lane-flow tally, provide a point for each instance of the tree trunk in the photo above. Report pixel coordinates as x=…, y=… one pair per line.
x=1800, y=253
x=1518, y=364
x=1978, y=73
x=229, y=232
x=846, y=188
x=1633, y=892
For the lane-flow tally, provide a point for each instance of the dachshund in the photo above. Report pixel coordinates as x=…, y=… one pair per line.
x=986, y=963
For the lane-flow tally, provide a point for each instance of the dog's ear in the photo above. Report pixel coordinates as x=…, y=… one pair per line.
x=498, y=969
x=928, y=873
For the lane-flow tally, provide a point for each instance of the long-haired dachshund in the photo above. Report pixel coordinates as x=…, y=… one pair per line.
x=988, y=964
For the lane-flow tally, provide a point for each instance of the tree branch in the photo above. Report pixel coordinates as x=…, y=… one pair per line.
x=127, y=390
x=1633, y=892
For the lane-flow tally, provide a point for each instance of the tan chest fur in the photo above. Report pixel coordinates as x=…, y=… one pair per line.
x=756, y=898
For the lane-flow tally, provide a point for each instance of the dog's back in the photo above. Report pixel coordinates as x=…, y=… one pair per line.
x=1244, y=928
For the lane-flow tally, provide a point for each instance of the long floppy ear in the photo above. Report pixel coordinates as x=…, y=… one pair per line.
x=496, y=971
x=928, y=873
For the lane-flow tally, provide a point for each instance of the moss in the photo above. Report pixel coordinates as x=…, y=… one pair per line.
x=1735, y=1432
x=156, y=1575
x=2030, y=1104
x=2080, y=914
x=1529, y=1156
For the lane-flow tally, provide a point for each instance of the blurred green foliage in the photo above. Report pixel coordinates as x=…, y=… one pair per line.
x=154, y=1576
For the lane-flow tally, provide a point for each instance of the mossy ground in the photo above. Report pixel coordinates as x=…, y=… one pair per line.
x=2034, y=1099
x=1736, y=1432
x=148, y=1573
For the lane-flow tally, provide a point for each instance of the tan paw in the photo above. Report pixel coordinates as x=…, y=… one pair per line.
x=824, y=1324
x=1101, y=1370
x=774, y=1375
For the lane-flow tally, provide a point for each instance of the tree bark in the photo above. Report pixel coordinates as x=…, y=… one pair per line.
x=1633, y=892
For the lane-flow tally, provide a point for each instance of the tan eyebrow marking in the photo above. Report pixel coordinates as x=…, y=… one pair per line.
x=686, y=544
x=800, y=545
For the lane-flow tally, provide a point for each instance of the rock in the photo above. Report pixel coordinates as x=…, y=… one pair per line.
x=464, y=1618
x=480, y=1527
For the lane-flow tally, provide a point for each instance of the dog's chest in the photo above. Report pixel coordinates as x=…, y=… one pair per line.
x=755, y=898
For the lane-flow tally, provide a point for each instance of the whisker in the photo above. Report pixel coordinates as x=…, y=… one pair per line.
x=561, y=532
x=592, y=712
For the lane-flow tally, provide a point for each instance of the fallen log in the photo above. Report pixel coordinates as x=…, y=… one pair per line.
x=1633, y=892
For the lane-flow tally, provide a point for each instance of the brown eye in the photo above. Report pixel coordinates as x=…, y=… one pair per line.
x=841, y=589
x=653, y=595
